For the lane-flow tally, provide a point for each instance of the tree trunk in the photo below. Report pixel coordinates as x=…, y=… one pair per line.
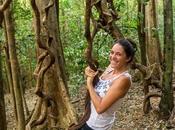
x=9, y=74
x=53, y=109
x=152, y=37
x=141, y=31
x=3, y=125
x=152, y=43
x=166, y=103
x=14, y=69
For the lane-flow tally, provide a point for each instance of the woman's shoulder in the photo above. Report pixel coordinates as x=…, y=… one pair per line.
x=123, y=75
x=127, y=74
x=123, y=80
x=121, y=85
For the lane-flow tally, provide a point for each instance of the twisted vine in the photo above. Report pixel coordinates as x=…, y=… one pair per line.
x=41, y=68
x=3, y=7
x=107, y=16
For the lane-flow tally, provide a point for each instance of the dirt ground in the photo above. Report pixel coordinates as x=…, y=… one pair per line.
x=129, y=117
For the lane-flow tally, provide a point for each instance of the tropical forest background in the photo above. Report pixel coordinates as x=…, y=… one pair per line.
x=143, y=21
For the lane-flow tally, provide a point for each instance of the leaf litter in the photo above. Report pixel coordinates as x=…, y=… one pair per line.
x=129, y=116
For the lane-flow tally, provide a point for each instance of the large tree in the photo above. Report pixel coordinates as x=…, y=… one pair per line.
x=10, y=39
x=53, y=109
x=149, y=45
x=2, y=103
x=141, y=30
x=166, y=104
x=152, y=35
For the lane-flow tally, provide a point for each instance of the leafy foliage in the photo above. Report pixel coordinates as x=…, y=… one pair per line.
x=72, y=35
x=74, y=42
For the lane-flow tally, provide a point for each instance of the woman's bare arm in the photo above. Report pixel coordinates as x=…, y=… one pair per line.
x=117, y=90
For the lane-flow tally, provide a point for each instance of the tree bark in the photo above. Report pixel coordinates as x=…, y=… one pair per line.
x=3, y=124
x=14, y=69
x=54, y=109
x=152, y=35
x=166, y=103
x=141, y=31
x=152, y=43
x=9, y=74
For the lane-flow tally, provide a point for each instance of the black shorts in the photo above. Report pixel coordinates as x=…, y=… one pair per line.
x=85, y=127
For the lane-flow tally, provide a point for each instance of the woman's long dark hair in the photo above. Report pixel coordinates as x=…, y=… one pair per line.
x=127, y=45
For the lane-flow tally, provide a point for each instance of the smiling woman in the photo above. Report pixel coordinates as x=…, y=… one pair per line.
x=107, y=95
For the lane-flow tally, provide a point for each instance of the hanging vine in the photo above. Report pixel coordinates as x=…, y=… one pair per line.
x=2, y=8
x=107, y=17
x=45, y=101
x=106, y=21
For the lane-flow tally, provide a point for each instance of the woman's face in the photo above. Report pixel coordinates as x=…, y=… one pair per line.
x=118, y=58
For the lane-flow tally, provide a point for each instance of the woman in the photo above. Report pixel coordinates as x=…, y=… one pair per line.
x=114, y=83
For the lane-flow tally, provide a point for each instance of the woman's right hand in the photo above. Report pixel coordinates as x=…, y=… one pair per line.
x=90, y=74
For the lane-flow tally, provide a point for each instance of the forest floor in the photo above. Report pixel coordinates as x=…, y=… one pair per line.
x=129, y=117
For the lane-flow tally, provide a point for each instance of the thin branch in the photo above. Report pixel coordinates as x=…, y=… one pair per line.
x=5, y=5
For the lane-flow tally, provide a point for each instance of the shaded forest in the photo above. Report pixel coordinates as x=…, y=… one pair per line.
x=46, y=45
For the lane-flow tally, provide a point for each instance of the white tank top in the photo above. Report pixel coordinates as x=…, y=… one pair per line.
x=105, y=120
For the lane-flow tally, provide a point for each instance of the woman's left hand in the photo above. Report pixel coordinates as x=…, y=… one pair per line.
x=90, y=75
